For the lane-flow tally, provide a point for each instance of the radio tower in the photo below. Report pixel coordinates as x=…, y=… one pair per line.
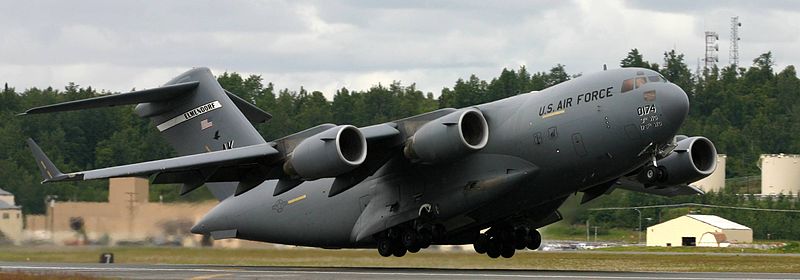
x=711, y=49
x=733, y=54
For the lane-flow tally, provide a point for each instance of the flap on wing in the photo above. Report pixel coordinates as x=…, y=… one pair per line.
x=668, y=191
x=129, y=98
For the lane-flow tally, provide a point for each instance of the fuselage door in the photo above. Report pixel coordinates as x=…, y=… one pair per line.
x=577, y=142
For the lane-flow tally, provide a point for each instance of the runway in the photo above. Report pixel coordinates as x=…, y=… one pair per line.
x=198, y=272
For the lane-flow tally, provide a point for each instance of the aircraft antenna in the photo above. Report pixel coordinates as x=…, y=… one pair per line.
x=733, y=53
x=712, y=48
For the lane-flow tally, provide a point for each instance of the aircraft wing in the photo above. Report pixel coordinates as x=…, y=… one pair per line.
x=191, y=170
x=629, y=183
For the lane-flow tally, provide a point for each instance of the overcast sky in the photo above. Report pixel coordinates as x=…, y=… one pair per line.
x=325, y=45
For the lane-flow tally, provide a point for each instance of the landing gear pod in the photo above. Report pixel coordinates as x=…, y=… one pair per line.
x=449, y=137
x=327, y=154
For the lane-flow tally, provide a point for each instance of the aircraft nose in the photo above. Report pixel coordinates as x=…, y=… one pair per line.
x=676, y=107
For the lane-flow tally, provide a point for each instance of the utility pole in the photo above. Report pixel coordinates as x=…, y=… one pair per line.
x=640, y=225
x=587, y=229
x=131, y=200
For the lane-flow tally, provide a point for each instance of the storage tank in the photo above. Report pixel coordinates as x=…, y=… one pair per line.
x=779, y=174
x=716, y=181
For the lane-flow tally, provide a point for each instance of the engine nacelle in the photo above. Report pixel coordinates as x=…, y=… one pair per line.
x=327, y=154
x=693, y=158
x=448, y=137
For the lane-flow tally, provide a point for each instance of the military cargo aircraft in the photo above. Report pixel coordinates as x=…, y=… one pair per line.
x=488, y=175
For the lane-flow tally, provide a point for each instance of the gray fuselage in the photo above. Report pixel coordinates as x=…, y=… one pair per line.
x=566, y=138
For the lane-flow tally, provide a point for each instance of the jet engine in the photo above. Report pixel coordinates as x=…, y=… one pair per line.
x=327, y=154
x=693, y=159
x=448, y=137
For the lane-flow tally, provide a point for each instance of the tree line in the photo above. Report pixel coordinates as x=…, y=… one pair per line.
x=746, y=111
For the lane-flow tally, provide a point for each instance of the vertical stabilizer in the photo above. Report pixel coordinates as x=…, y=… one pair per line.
x=206, y=120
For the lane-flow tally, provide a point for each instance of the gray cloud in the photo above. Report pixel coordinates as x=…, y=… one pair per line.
x=324, y=45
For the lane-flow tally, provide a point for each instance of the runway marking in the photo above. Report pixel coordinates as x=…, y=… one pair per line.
x=210, y=276
x=418, y=274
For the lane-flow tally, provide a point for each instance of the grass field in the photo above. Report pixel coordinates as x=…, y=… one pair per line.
x=595, y=261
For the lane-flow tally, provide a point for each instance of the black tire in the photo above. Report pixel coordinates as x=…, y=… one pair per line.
x=520, y=238
x=409, y=238
x=649, y=175
x=507, y=250
x=413, y=249
x=425, y=238
x=385, y=247
x=481, y=244
x=493, y=249
x=536, y=240
x=399, y=251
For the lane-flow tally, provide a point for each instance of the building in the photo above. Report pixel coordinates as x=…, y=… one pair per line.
x=698, y=230
x=716, y=181
x=10, y=219
x=127, y=217
x=780, y=173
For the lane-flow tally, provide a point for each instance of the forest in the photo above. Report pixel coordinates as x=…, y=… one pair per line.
x=745, y=111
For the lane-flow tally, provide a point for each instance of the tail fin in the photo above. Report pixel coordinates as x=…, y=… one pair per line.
x=206, y=120
x=192, y=112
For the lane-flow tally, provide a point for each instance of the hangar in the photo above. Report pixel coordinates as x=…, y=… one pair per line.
x=698, y=230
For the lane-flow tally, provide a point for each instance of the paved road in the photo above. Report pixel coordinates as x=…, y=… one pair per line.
x=198, y=272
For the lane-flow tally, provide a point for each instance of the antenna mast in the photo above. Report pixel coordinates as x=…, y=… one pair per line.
x=733, y=54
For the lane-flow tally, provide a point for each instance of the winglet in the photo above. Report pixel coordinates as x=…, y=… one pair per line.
x=50, y=172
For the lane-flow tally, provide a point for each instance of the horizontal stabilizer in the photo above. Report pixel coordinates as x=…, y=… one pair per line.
x=49, y=170
x=129, y=98
x=250, y=111
x=205, y=165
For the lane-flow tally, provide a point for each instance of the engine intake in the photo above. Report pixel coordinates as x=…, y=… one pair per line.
x=327, y=154
x=449, y=137
x=693, y=158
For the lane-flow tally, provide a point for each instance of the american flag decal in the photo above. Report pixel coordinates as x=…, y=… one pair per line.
x=205, y=124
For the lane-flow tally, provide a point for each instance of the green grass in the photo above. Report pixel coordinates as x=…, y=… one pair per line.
x=302, y=257
x=563, y=231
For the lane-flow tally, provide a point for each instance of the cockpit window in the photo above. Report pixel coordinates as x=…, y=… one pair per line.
x=640, y=81
x=654, y=79
x=627, y=85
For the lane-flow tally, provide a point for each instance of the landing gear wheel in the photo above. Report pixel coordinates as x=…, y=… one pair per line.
x=650, y=174
x=384, y=247
x=507, y=250
x=409, y=238
x=413, y=249
x=521, y=238
x=481, y=244
x=493, y=250
x=399, y=251
x=425, y=238
x=535, y=239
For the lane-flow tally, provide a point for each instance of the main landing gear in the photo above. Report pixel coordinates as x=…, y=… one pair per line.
x=505, y=240
x=398, y=240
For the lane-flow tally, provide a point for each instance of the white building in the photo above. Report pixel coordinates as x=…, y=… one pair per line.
x=698, y=230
